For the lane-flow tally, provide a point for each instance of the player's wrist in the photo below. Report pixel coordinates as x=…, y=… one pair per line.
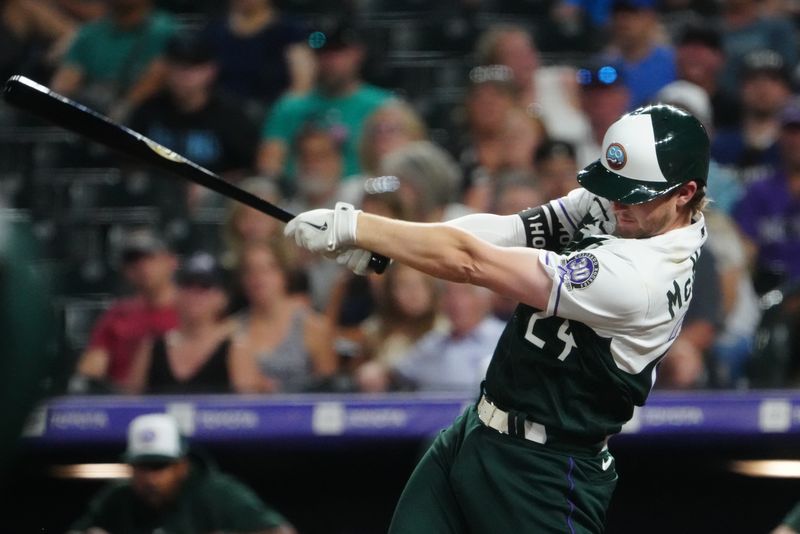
x=345, y=225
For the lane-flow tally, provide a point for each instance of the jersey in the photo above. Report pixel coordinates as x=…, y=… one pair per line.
x=579, y=366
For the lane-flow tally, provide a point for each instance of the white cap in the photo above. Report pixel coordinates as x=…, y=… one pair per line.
x=689, y=96
x=154, y=438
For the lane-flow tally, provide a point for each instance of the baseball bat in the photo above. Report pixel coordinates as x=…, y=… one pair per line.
x=37, y=99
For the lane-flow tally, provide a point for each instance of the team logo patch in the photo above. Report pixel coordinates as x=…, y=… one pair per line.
x=580, y=270
x=616, y=156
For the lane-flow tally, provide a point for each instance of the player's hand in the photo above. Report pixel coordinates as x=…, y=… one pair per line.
x=325, y=230
x=355, y=259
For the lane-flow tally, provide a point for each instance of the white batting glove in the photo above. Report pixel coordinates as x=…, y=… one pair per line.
x=324, y=230
x=355, y=259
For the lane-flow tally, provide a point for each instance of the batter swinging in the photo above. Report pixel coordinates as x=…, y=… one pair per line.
x=603, y=276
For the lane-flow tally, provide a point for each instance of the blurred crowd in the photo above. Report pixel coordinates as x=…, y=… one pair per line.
x=303, y=106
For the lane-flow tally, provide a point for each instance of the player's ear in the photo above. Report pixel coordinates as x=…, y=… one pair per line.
x=685, y=193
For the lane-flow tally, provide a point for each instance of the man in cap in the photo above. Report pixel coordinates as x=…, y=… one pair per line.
x=768, y=213
x=169, y=492
x=603, y=275
x=750, y=148
x=341, y=102
x=149, y=267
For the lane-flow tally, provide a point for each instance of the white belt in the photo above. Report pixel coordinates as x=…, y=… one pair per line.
x=495, y=418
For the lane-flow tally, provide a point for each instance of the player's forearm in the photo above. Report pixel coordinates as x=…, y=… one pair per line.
x=500, y=230
x=437, y=249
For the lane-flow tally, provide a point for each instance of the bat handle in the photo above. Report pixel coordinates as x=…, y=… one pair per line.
x=378, y=263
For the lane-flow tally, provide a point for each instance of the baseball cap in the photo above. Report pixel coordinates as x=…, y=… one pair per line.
x=702, y=35
x=333, y=36
x=189, y=50
x=790, y=114
x=154, y=438
x=632, y=5
x=764, y=62
x=139, y=243
x=648, y=153
x=200, y=269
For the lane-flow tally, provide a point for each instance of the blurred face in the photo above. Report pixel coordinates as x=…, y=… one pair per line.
x=186, y=80
x=654, y=217
x=253, y=226
x=790, y=146
x=319, y=165
x=159, y=484
x=521, y=138
x=412, y=291
x=516, y=51
x=699, y=64
x=557, y=176
x=632, y=28
x=465, y=306
x=388, y=132
x=201, y=303
x=150, y=272
x=604, y=105
x=487, y=108
x=764, y=94
x=262, y=277
x=339, y=68
x=517, y=198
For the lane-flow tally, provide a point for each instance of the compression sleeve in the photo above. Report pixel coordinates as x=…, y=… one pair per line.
x=543, y=229
x=500, y=230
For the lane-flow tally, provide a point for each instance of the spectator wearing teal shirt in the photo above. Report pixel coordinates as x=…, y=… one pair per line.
x=113, y=62
x=340, y=103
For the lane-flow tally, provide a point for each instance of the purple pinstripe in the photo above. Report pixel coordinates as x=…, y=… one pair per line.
x=571, y=487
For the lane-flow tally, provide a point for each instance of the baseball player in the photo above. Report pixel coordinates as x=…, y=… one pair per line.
x=603, y=276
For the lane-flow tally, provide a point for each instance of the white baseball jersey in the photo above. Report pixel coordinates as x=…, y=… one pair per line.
x=616, y=305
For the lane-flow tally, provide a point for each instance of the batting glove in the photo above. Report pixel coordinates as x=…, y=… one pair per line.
x=355, y=259
x=324, y=230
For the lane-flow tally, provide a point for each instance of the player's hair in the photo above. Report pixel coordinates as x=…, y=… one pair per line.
x=486, y=49
x=699, y=201
x=411, y=123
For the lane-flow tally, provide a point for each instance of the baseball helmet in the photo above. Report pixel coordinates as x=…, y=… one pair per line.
x=648, y=153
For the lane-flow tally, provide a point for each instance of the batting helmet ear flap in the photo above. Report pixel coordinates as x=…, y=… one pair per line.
x=648, y=153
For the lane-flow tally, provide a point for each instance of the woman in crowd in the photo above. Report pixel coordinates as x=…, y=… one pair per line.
x=278, y=335
x=194, y=357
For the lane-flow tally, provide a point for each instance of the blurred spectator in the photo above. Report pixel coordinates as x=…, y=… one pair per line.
x=640, y=49
x=745, y=29
x=318, y=180
x=33, y=37
x=114, y=62
x=428, y=179
x=148, y=266
x=454, y=360
x=604, y=98
x=700, y=59
x=751, y=148
x=723, y=184
x=173, y=491
x=515, y=193
x=83, y=10
x=775, y=362
x=522, y=134
x=769, y=212
x=193, y=119
x=341, y=102
x=261, y=53
x=490, y=98
x=550, y=92
x=289, y=347
x=244, y=224
x=392, y=126
x=686, y=364
x=194, y=356
x=556, y=169
x=408, y=308
x=732, y=347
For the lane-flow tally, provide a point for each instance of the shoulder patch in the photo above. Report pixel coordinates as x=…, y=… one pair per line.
x=580, y=270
